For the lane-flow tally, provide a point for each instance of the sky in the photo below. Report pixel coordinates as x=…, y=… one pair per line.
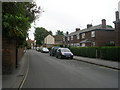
x=67, y=15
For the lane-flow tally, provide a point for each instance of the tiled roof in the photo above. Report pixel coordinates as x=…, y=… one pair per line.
x=97, y=27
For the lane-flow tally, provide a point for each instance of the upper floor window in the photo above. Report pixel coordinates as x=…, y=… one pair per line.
x=71, y=37
x=78, y=37
x=92, y=33
x=63, y=38
x=83, y=35
x=68, y=38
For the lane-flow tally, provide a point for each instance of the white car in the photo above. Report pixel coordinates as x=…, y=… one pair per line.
x=45, y=50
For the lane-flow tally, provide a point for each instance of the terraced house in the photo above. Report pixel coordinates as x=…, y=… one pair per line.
x=99, y=35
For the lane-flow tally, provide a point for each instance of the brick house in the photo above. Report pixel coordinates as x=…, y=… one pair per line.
x=99, y=35
x=117, y=29
x=58, y=39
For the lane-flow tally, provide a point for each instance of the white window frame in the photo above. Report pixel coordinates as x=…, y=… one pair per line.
x=93, y=43
x=72, y=37
x=68, y=38
x=92, y=33
x=78, y=36
x=83, y=35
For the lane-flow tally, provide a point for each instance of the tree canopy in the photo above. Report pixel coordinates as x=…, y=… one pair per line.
x=40, y=34
x=59, y=32
x=16, y=19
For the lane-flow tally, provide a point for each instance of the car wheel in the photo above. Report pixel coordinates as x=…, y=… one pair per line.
x=56, y=56
x=60, y=57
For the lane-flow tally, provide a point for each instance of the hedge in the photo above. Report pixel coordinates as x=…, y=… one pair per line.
x=84, y=51
x=107, y=53
x=110, y=53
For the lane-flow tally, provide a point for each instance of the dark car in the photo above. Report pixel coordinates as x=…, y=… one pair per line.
x=64, y=53
x=54, y=50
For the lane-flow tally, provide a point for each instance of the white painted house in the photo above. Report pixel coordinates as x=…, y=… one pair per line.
x=49, y=40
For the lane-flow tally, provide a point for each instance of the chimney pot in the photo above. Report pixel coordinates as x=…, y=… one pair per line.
x=103, y=23
x=67, y=33
x=117, y=16
x=89, y=25
x=77, y=29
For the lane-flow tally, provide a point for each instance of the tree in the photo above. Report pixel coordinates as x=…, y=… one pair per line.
x=50, y=32
x=59, y=32
x=40, y=34
x=16, y=19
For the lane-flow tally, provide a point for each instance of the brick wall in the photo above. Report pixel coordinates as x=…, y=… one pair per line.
x=9, y=61
x=104, y=37
x=8, y=55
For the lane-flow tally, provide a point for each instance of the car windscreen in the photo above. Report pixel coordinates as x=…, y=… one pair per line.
x=65, y=50
x=45, y=49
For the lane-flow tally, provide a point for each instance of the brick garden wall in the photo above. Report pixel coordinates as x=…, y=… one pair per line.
x=9, y=55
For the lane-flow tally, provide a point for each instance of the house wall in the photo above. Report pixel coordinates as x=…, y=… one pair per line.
x=104, y=37
x=49, y=40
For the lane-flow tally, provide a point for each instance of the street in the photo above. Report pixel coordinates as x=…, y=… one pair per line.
x=49, y=72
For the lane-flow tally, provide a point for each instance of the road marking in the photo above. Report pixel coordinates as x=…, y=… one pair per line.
x=23, y=81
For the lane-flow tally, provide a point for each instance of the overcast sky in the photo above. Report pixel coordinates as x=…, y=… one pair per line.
x=66, y=15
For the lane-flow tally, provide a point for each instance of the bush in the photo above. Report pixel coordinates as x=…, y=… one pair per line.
x=107, y=52
x=110, y=53
x=84, y=51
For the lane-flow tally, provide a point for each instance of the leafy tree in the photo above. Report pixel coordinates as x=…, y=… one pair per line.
x=50, y=32
x=59, y=32
x=16, y=19
x=40, y=34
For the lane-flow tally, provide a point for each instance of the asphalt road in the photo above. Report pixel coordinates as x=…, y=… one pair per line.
x=49, y=72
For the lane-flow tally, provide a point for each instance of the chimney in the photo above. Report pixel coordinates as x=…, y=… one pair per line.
x=89, y=25
x=67, y=33
x=103, y=23
x=117, y=16
x=77, y=29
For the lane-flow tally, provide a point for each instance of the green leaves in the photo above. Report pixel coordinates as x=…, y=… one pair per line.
x=17, y=17
x=40, y=34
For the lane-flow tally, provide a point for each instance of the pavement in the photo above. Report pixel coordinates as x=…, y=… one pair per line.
x=100, y=62
x=15, y=79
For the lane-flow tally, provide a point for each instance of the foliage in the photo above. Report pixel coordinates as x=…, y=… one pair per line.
x=110, y=53
x=84, y=51
x=40, y=34
x=16, y=19
x=50, y=32
x=107, y=52
x=59, y=32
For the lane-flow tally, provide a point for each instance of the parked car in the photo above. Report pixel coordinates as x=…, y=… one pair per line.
x=53, y=50
x=37, y=48
x=64, y=53
x=44, y=50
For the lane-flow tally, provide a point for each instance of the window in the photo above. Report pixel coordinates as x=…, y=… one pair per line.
x=63, y=38
x=72, y=44
x=71, y=37
x=93, y=43
x=93, y=34
x=68, y=38
x=83, y=35
x=78, y=44
x=78, y=37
